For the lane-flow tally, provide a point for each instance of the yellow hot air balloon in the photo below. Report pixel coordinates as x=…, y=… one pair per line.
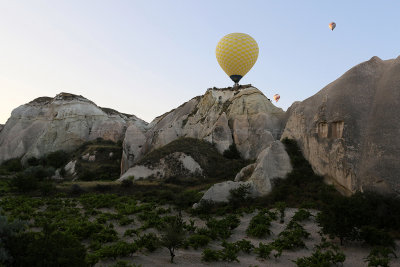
x=332, y=26
x=236, y=54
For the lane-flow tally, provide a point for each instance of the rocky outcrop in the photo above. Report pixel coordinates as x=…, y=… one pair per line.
x=273, y=162
x=241, y=115
x=175, y=165
x=1, y=127
x=349, y=130
x=220, y=192
x=60, y=123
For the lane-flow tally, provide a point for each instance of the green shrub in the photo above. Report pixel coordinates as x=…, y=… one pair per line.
x=232, y=152
x=244, y=245
x=56, y=159
x=222, y=229
x=337, y=218
x=24, y=183
x=12, y=165
x=47, y=249
x=301, y=215
x=149, y=241
x=131, y=232
x=259, y=226
x=263, y=251
x=76, y=189
x=197, y=240
x=47, y=188
x=173, y=236
x=32, y=161
x=229, y=252
x=8, y=231
x=281, y=206
x=240, y=195
x=210, y=255
x=325, y=254
x=376, y=237
x=380, y=256
x=121, y=263
x=119, y=249
x=127, y=183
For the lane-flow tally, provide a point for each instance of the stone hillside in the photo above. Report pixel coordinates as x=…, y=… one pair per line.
x=60, y=123
x=349, y=130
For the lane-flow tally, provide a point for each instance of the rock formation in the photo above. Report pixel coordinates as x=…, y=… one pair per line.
x=349, y=130
x=1, y=127
x=174, y=165
x=273, y=162
x=242, y=115
x=60, y=123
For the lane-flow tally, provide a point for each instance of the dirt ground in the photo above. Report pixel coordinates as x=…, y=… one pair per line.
x=355, y=252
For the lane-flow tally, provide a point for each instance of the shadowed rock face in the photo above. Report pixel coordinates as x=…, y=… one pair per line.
x=243, y=116
x=60, y=123
x=349, y=130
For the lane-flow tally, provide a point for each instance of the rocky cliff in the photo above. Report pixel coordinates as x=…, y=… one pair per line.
x=349, y=130
x=241, y=115
x=60, y=123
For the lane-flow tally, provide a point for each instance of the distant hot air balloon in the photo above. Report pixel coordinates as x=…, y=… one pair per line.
x=276, y=97
x=332, y=25
x=236, y=54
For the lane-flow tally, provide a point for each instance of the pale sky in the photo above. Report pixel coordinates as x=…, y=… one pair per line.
x=148, y=57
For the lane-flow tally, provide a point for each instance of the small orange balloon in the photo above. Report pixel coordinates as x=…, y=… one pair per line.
x=276, y=97
x=332, y=25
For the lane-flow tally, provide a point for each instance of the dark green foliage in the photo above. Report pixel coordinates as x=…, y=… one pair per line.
x=197, y=240
x=263, y=251
x=24, y=183
x=210, y=255
x=229, y=252
x=380, y=256
x=127, y=183
x=12, y=165
x=76, y=189
x=281, y=206
x=291, y=238
x=32, y=161
x=232, y=152
x=34, y=178
x=325, y=255
x=301, y=215
x=244, y=245
x=239, y=196
x=149, y=241
x=119, y=249
x=121, y=263
x=337, y=218
x=106, y=165
x=47, y=188
x=8, y=231
x=376, y=237
x=345, y=216
x=49, y=248
x=56, y=159
x=173, y=236
x=131, y=232
x=259, y=225
x=222, y=229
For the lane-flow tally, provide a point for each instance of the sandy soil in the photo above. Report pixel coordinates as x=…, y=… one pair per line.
x=355, y=252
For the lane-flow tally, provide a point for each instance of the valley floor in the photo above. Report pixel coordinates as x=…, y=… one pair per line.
x=355, y=252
